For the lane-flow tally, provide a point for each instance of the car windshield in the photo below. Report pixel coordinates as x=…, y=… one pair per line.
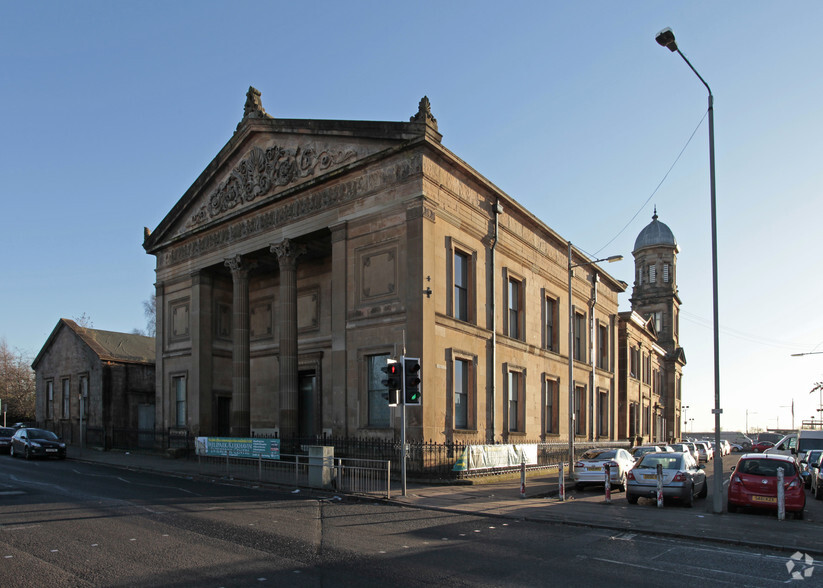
x=814, y=456
x=765, y=467
x=667, y=460
x=599, y=454
x=773, y=437
x=41, y=434
x=680, y=447
x=807, y=444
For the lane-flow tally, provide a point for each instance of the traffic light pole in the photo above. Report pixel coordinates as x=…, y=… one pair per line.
x=403, y=442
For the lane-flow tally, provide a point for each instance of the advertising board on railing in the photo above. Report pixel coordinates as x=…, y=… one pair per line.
x=479, y=457
x=238, y=447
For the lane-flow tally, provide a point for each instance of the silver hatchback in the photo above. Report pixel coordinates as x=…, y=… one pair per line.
x=590, y=467
x=683, y=478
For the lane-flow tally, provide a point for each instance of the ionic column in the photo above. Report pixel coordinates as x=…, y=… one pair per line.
x=240, y=412
x=287, y=253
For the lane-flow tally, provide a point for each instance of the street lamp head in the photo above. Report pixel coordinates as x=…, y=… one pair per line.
x=665, y=38
x=614, y=258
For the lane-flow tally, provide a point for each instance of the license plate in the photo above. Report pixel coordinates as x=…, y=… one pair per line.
x=766, y=499
x=649, y=476
x=51, y=451
x=594, y=469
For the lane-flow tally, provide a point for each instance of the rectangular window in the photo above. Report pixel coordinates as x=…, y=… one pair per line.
x=647, y=417
x=552, y=407
x=634, y=355
x=461, y=394
x=461, y=286
x=603, y=414
x=50, y=399
x=652, y=274
x=603, y=347
x=66, y=398
x=515, y=308
x=550, y=311
x=84, y=396
x=579, y=410
x=178, y=384
x=633, y=414
x=379, y=411
x=666, y=273
x=515, y=381
x=658, y=322
x=580, y=337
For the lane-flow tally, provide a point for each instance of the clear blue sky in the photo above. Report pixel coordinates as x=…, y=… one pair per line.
x=110, y=110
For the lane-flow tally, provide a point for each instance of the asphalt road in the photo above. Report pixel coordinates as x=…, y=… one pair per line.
x=76, y=524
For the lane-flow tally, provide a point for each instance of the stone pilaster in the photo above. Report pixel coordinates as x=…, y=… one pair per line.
x=287, y=253
x=240, y=413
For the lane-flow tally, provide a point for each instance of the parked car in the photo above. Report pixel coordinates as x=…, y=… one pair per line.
x=5, y=438
x=785, y=446
x=37, y=443
x=683, y=477
x=762, y=446
x=737, y=448
x=806, y=467
x=726, y=447
x=817, y=480
x=665, y=447
x=589, y=469
x=688, y=448
x=705, y=451
x=641, y=450
x=754, y=483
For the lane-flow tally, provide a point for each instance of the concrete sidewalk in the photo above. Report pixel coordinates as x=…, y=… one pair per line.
x=587, y=508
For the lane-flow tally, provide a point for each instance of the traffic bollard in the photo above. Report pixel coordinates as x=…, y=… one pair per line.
x=660, y=485
x=523, y=479
x=562, y=483
x=608, y=481
x=781, y=495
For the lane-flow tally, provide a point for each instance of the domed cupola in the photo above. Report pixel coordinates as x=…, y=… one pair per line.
x=655, y=285
x=655, y=234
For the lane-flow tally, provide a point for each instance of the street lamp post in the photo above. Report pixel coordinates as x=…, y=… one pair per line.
x=665, y=38
x=748, y=412
x=611, y=259
x=685, y=416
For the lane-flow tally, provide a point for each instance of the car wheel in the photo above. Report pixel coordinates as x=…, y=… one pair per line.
x=631, y=498
x=11, y=451
x=704, y=491
x=27, y=453
x=690, y=497
x=818, y=495
x=732, y=508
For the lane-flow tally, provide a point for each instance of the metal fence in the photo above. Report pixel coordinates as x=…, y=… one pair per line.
x=355, y=476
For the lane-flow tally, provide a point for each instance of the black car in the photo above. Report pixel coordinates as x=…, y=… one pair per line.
x=37, y=443
x=5, y=438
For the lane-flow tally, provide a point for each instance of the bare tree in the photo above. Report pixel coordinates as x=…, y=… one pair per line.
x=17, y=384
x=84, y=321
x=150, y=310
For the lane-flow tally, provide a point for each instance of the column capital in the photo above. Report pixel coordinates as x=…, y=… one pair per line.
x=287, y=252
x=239, y=266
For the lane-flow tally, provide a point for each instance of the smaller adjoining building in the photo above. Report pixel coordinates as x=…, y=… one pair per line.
x=102, y=381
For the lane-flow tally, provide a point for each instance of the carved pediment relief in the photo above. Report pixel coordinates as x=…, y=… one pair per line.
x=263, y=171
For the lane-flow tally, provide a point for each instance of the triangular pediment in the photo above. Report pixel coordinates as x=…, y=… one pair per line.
x=268, y=159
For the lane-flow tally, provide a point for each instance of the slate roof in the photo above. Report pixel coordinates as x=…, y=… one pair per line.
x=107, y=345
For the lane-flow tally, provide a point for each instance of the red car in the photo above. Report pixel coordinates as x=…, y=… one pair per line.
x=762, y=446
x=754, y=483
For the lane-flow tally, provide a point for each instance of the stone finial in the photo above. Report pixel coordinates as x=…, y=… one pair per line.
x=254, y=106
x=146, y=233
x=424, y=113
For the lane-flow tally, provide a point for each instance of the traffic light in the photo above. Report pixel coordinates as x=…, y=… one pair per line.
x=393, y=380
x=411, y=380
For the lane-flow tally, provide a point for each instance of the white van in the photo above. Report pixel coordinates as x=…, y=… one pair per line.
x=786, y=446
x=807, y=440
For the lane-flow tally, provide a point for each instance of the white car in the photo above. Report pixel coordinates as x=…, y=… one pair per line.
x=590, y=468
x=705, y=451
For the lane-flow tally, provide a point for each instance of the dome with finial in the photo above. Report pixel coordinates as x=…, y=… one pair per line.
x=654, y=235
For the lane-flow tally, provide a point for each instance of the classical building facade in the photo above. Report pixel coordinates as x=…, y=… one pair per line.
x=309, y=252
x=651, y=358
x=103, y=380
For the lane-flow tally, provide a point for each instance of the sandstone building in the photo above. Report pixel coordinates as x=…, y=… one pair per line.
x=102, y=379
x=651, y=359
x=309, y=252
